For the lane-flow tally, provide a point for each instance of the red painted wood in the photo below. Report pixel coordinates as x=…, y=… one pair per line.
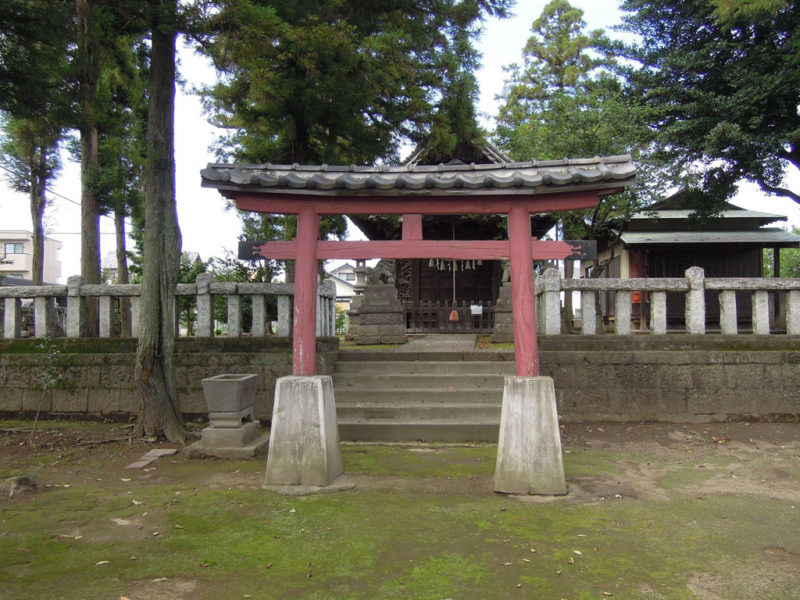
x=438, y=205
x=526, y=353
x=304, y=343
x=448, y=249
x=412, y=227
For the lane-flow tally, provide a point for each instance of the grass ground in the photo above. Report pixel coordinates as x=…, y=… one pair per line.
x=654, y=512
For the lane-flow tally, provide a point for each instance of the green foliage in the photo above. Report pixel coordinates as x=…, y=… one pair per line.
x=343, y=81
x=34, y=64
x=191, y=266
x=52, y=370
x=790, y=260
x=564, y=101
x=719, y=94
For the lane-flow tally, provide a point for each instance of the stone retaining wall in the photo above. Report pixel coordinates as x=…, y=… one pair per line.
x=668, y=378
x=99, y=372
x=674, y=377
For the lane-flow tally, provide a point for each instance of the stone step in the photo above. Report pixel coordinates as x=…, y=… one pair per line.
x=412, y=396
x=428, y=396
x=455, y=412
x=424, y=356
x=366, y=382
x=426, y=367
x=444, y=430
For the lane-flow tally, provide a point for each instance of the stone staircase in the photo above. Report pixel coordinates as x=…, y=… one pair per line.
x=426, y=396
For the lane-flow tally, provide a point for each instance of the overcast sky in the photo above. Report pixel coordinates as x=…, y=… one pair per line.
x=211, y=230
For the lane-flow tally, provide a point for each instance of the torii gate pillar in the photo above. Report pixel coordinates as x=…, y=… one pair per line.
x=529, y=457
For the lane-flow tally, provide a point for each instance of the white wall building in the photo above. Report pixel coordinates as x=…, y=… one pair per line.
x=16, y=252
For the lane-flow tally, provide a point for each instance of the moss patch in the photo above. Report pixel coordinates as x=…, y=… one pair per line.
x=423, y=523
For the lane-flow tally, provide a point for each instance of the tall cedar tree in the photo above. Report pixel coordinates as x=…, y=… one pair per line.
x=563, y=101
x=155, y=368
x=30, y=152
x=345, y=82
x=720, y=83
x=34, y=101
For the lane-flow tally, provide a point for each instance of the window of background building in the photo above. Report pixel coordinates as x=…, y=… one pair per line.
x=13, y=248
x=349, y=276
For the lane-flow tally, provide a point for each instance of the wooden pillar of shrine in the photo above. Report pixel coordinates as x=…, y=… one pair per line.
x=526, y=352
x=304, y=343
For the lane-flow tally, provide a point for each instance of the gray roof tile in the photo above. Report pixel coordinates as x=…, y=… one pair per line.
x=541, y=176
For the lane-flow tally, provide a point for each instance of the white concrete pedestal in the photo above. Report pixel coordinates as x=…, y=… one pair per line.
x=529, y=457
x=304, y=440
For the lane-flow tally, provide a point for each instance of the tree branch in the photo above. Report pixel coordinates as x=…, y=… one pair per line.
x=778, y=191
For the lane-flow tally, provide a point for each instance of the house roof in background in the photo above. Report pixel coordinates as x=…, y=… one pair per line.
x=765, y=237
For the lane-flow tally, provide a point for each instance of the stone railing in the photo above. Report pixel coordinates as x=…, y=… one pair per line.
x=550, y=288
x=60, y=308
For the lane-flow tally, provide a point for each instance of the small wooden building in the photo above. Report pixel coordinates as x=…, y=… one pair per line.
x=425, y=286
x=667, y=238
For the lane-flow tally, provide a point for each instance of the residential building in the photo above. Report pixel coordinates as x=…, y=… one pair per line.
x=16, y=256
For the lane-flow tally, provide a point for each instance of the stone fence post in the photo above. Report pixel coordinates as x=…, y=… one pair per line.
x=792, y=312
x=552, y=302
x=696, y=301
x=658, y=312
x=205, y=305
x=12, y=318
x=75, y=313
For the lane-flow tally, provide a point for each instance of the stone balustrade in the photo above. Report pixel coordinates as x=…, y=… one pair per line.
x=60, y=308
x=550, y=288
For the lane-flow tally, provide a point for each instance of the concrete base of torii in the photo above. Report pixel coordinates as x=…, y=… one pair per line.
x=529, y=459
x=304, y=440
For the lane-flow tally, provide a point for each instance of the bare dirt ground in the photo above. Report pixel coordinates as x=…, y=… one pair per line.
x=98, y=450
x=625, y=468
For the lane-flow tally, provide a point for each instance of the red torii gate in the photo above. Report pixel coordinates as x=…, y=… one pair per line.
x=520, y=248
x=304, y=441
x=514, y=189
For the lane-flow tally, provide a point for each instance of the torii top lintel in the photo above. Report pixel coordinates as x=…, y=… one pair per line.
x=514, y=189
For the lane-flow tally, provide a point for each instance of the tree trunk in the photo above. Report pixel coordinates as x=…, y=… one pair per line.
x=122, y=273
x=37, y=198
x=90, y=215
x=155, y=370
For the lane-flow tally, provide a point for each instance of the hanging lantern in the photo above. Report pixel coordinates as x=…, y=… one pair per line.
x=453, y=315
x=431, y=263
x=469, y=265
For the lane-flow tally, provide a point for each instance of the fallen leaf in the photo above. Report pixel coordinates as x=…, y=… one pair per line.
x=100, y=563
x=558, y=572
x=526, y=560
x=506, y=564
x=571, y=560
x=125, y=479
x=176, y=526
x=269, y=565
x=133, y=557
x=156, y=533
x=136, y=502
x=159, y=580
x=207, y=563
x=309, y=575
x=577, y=552
x=607, y=594
x=519, y=585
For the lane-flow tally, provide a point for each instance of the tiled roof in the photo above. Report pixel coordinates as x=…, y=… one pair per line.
x=530, y=177
x=766, y=236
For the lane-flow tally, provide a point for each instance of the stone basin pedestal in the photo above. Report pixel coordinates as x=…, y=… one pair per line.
x=232, y=432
